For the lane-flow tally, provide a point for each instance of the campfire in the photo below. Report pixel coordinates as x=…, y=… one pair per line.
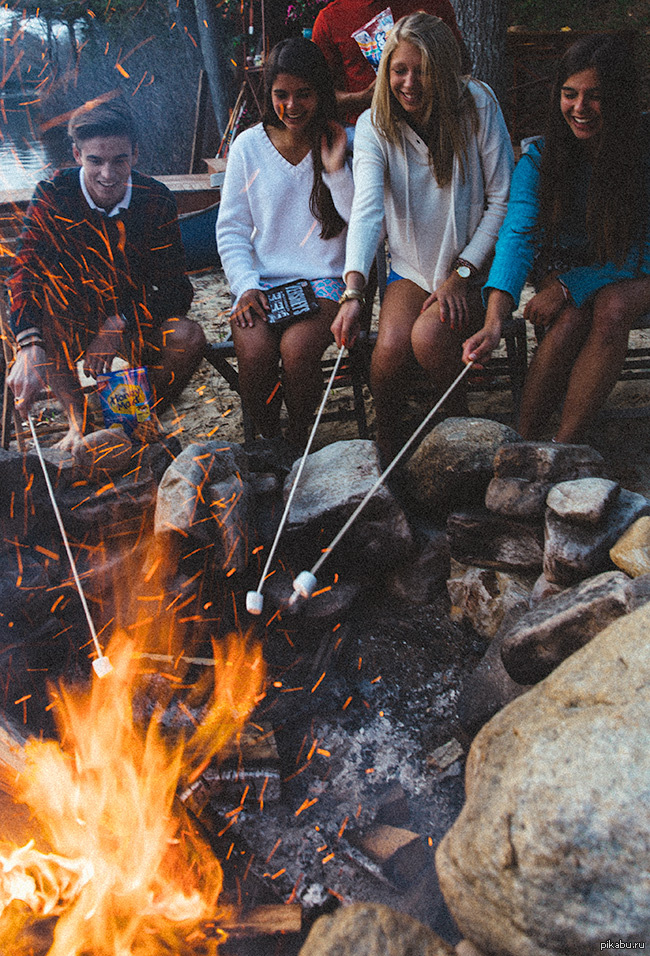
x=119, y=867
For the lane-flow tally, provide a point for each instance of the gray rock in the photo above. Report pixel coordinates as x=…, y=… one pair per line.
x=517, y=497
x=549, y=855
x=371, y=929
x=485, y=595
x=334, y=482
x=575, y=551
x=423, y=576
x=545, y=636
x=453, y=464
x=584, y=500
x=547, y=461
x=182, y=506
x=542, y=589
x=489, y=540
x=230, y=503
x=487, y=689
x=640, y=589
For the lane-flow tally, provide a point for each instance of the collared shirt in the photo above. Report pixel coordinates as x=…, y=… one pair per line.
x=122, y=204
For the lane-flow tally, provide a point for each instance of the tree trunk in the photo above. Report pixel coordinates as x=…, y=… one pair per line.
x=483, y=24
x=214, y=59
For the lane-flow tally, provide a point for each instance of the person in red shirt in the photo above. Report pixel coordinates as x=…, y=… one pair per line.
x=353, y=76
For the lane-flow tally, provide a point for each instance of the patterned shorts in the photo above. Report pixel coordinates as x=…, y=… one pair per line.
x=323, y=288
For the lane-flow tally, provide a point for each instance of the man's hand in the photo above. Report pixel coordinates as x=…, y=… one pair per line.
x=251, y=305
x=349, y=102
x=104, y=347
x=27, y=377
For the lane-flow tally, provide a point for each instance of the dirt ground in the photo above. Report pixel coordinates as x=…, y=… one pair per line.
x=209, y=408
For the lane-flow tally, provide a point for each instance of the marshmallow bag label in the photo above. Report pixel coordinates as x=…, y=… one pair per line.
x=125, y=398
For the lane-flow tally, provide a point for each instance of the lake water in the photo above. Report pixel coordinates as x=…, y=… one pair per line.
x=24, y=159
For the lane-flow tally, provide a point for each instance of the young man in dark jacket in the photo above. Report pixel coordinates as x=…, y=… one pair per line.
x=100, y=272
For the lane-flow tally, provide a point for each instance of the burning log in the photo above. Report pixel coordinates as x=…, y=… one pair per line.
x=265, y=921
x=247, y=770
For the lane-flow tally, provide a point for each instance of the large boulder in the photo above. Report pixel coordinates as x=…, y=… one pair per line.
x=453, y=465
x=371, y=929
x=549, y=855
x=334, y=482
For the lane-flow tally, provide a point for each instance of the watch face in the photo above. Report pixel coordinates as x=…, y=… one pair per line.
x=464, y=272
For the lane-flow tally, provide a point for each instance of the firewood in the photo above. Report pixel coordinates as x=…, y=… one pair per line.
x=265, y=920
x=401, y=853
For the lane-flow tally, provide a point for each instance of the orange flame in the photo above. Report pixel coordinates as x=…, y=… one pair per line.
x=129, y=875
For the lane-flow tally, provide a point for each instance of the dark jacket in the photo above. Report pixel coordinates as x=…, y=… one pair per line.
x=76, y=266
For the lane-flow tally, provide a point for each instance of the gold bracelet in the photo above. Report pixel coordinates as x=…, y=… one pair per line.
x=352, y=294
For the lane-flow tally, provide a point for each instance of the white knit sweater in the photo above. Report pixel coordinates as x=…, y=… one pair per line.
x=429, y=227
x=265, y=229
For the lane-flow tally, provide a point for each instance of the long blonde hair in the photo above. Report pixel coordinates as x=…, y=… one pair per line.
x=450, y=115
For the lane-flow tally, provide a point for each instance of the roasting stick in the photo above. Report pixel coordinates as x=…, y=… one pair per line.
x=255, y=599
x=305, y=583
x=101, y=665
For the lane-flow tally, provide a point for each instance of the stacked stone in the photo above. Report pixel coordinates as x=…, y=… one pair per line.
x=548, y=509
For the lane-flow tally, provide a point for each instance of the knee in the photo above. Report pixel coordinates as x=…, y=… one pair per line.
x=614, y=311
x=193, y=338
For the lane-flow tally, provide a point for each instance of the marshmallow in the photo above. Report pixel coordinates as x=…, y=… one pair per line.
x=102, y=666
x=304, y=584
x=254, y=602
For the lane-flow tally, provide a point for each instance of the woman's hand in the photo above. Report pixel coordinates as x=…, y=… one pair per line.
x=347, y=324
x=545, y=307
x=478, y=347
x=105, y=346
x=451, y=297
x=251, y=305
x=333, y=148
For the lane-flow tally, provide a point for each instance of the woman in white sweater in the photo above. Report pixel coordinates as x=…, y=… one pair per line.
x=285, y=201
x=433, y=160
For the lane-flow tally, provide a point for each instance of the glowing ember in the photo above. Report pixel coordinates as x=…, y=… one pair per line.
x=129, y=875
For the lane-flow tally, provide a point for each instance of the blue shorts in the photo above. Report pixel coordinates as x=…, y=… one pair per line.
x=392, y=277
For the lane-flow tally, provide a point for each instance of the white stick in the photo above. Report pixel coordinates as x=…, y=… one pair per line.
x=101, y=665
x=326, y=553
x=254, y=599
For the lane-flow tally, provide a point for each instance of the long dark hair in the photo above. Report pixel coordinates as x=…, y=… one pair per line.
x=616, y=210
x=302, y=58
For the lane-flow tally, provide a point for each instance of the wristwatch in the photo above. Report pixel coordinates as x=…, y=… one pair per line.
x=352, y=294
x=464, y=271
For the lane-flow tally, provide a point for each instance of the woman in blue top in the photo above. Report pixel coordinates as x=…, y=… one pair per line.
x=578, y=226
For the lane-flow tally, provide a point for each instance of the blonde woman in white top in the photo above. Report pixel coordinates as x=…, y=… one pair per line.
x=433, y=161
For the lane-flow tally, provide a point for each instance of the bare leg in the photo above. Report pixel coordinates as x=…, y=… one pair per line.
x=302, y=346
x=550, y=369
x=438, y=348
x=258, y=358
x=62, y=378
x=183, y=344
x=599, y=362
x=391, y=358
